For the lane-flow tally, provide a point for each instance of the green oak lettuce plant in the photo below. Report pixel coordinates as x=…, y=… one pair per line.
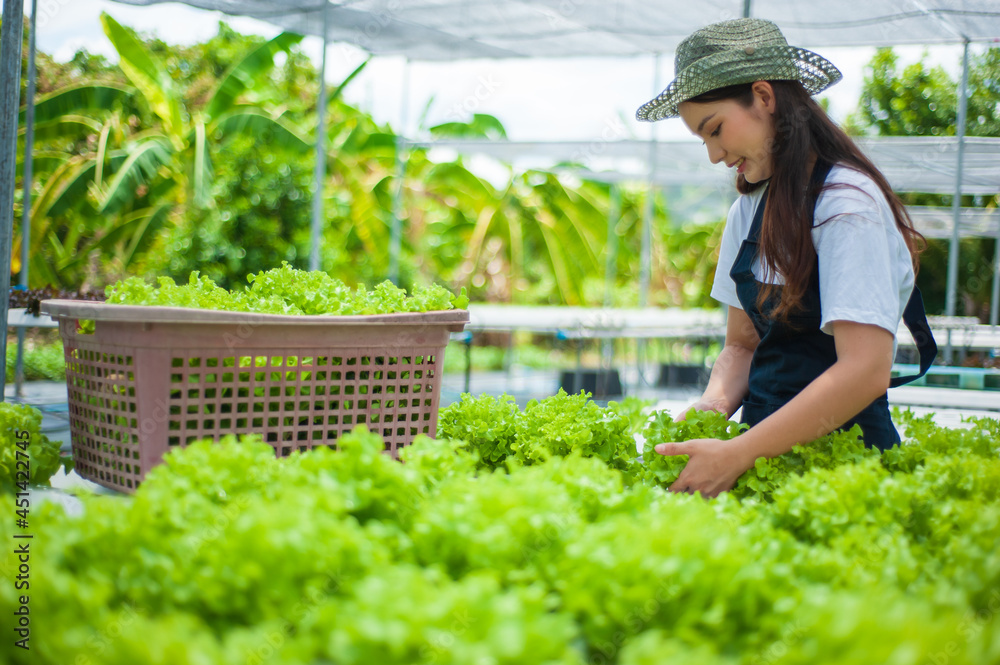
x=227, y=554
x=285, y=290
x=23, y=446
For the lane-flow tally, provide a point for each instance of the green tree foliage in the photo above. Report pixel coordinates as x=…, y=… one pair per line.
x=260, y=217
x=918, y=100
x=147, y=157
x=922, y=101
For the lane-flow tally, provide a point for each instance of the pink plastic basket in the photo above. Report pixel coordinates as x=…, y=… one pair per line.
x=153, y=378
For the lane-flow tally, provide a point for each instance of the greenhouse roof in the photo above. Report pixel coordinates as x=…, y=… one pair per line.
x=453, y=29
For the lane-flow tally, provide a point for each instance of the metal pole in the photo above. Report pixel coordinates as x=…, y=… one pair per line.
x=396, y=230
x=29, y=149
x=611, y=261
x=646, y=247
x=995, y=295
x=10, y=93
x=746, y=8
x=648, y=209
x=315, y=229
x=956, y=204
x=610, y=265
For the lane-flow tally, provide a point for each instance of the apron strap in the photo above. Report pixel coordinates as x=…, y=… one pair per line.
x=758, y=218
x=821, y=169
x=915, y=318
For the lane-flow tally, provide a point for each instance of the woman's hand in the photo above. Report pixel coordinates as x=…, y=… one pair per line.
x=704, y=404
x=713, y=465
x=728, y=383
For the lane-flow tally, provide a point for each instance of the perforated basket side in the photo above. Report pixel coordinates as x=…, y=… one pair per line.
x=306, y=398
x=103, y=411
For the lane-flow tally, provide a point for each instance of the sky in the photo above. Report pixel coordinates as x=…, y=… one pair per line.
x=536, y=100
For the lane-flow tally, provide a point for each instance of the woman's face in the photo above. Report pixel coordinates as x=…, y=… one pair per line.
x=740, y=137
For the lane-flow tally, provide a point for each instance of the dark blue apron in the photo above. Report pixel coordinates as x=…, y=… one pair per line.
x=792, y=353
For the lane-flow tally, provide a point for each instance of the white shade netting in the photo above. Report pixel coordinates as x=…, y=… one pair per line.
x=451, y=29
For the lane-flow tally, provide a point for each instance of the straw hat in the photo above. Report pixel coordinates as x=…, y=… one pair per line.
x=742, y=50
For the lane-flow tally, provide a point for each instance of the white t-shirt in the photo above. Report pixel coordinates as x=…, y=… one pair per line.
x=865, y=272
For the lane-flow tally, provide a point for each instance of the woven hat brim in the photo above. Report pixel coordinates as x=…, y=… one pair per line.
x=733, y=67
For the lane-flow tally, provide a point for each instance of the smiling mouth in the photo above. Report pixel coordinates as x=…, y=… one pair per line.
x=738, y=163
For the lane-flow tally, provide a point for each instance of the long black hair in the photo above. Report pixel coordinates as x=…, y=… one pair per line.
x=803, y=132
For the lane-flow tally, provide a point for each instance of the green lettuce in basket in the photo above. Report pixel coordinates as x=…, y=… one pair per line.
x=286, y=290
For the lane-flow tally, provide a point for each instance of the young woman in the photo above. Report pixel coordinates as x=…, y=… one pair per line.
x=817, y=260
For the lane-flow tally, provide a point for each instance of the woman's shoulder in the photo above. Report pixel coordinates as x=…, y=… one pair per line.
x=848, y=190
x=847, y=182
x=745, y=205
x=741, y=213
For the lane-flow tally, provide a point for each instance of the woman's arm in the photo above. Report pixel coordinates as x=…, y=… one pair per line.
x=858, y=377
x=727, y=385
